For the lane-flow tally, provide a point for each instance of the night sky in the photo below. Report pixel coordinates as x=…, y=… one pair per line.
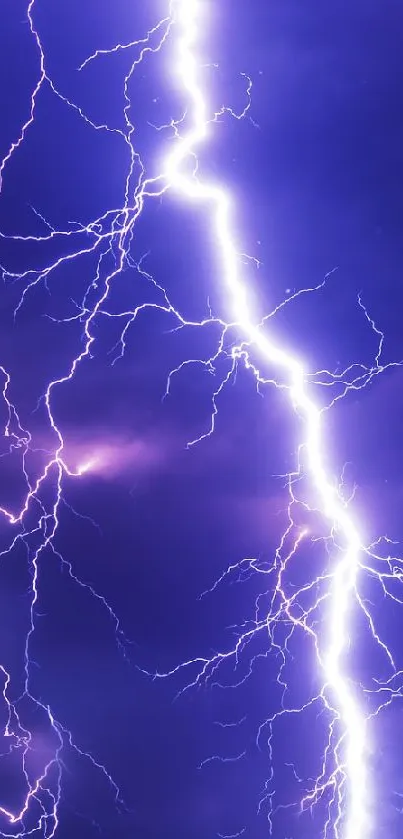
x=315, y=172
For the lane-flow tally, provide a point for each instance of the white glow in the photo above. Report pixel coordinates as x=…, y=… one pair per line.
x=354, y=822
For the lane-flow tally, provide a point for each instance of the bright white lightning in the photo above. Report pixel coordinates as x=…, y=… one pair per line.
x=188, y=14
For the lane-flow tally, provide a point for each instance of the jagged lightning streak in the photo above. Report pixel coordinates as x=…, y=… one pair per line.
x=343, y=779
x=352, y=820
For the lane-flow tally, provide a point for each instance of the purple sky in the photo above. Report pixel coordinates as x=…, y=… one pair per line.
x=315, y=176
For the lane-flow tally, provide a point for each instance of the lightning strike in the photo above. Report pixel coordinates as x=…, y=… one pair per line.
x=320, y=610
x=350, y=778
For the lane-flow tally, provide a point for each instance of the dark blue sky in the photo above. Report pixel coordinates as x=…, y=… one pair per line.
x=316, y=180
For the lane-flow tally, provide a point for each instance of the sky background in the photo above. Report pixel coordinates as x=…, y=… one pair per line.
x=316, y=183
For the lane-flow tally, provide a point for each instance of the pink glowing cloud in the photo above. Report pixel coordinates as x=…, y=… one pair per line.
x=110, y=459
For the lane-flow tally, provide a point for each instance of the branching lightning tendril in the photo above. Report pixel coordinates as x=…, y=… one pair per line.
x=320, y=610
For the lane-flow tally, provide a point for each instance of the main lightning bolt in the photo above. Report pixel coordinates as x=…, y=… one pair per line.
x=349, y=778
x=320, y=609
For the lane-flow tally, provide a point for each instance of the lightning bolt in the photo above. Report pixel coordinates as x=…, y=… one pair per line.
x=348, y=780
x=320, y=610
